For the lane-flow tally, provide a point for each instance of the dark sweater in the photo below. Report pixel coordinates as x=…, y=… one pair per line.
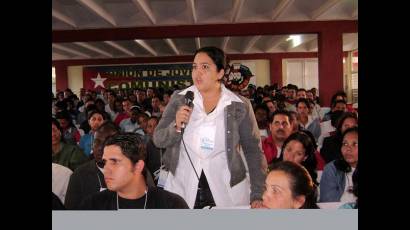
x=83, y=182
x=157, y=199
x=56, y=202
x=153, y=161
x=331, y=148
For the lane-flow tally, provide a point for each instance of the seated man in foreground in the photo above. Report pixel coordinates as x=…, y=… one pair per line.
x=124, y=173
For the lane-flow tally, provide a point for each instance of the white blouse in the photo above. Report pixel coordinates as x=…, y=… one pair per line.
x=204, y=138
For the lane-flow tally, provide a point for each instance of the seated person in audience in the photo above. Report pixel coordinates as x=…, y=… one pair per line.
x=85, y=125
x=336, y=182
x=261, y=115
x=280, y=129
x=71, y=109
x=339, y=95
x=117, y=108
x=88, y=106
x=328, y=128
x=355, y=178
x=166, y=97
x=143, y=122
x=155, y=106
x=110, y=106
x=281, y=102
x=132, y=98
x=124, y=174
x=331, y=147
x=258, y=96
x=310, y=96
x=142, y=100
x=60, y=95
x=315, y=96
x=272, y=106
x=60, y=106
x=126, y=107
x=131, y=124
x=151, y=92
x=294, y=121
x=70, y=156
x=100, y=104
x=70, y=132
x=59, y=177
x=151, y=125
x=284, y=91
x=83, y=98
x=95, y=119
x=265, y=97
x=301, y=93
x=290, y=103
x=306, y=121
x=314, y=110
x=272, y=90
x=320, y=162
x=338, y=105
x=314, y=104
x=89, y=178
x=299, y=148
x=289, y=186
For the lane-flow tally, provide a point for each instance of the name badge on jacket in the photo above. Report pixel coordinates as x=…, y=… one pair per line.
x=207, y=138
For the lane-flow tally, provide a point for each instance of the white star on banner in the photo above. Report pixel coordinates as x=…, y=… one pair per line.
x=99, y=81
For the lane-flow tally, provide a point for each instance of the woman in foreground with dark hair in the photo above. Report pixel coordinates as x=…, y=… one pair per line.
x=289, y=186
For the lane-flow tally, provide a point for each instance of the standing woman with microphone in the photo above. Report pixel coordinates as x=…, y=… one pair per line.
x=212, y=145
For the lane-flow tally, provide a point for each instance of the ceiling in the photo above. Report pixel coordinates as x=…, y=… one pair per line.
x=79, y=15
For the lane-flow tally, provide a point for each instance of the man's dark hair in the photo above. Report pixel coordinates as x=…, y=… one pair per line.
x=280, y=112
x=62, y=105
x=262, y=107
x=131, y=145
x=334, y=103
x=338, y=93
x=303, y=100
x=292, y=86
x=66, y=116
x=90, y=107
x=92, y=112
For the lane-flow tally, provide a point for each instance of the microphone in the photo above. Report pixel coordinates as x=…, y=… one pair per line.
x=189, y=98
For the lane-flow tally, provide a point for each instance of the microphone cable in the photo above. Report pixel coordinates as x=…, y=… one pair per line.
x=183, y=142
